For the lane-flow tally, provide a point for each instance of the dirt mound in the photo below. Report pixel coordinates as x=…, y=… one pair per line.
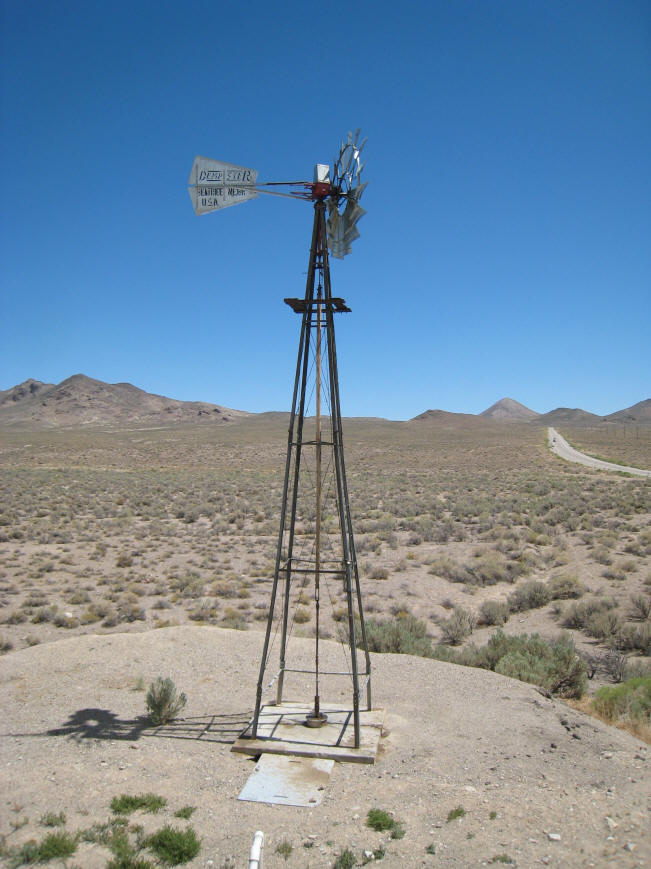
x=535, y=780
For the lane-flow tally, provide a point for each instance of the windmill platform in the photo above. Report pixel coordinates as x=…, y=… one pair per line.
x=282, y=730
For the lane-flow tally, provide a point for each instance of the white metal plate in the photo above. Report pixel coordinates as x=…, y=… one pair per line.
x=288, y=781
x=216, y=185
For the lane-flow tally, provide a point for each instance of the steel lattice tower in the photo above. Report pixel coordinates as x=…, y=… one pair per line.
x=316, y=543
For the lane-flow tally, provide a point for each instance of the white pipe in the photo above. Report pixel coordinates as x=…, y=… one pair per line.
x=255, y=854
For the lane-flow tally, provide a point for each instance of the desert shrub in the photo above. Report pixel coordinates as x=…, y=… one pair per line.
x=302, y=616
x=53, y=819
x=206, y=611
x=603, y=625
x=89, y=616
x=128, y=609
x=379, y=820
x=631, y=701
x=458, y=627
x=614, y=572
x=490, y=569
x=66, y=620
x=345, y=860
x=233, y=620
x=379, y=573
x=640, y=609
x=577, y=615
x=494, y=612
x=163, y=702
x=284, y=848
x=174, y=846
x=406, y=636
x=78, y=596
x=450, y=570
x=44, y=614
x=189, y=584
x=565, y=586
x=635, y=638
x=55, y=846
x=602, y=555
x=553, y=666
x=126, y=803
x=530, y=595
x=15, y=618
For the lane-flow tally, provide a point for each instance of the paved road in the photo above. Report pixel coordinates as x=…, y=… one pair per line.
x=561, y=447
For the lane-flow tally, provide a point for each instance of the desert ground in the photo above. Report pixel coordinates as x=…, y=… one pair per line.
x=129, y=554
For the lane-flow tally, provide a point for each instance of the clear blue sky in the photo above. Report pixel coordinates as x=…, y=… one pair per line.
x=507, y=244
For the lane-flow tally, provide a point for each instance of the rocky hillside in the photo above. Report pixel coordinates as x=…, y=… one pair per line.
x=81, y=400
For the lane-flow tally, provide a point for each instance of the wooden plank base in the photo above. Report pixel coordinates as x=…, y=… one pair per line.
x=282, y=730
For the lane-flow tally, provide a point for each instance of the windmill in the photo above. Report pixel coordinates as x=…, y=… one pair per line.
x=315, y=555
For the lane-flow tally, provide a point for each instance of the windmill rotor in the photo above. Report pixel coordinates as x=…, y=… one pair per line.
x=214, y=185
x=346, y=192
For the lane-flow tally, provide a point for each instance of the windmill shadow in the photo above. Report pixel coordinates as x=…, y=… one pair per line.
x=93, y=723
x=100, y=724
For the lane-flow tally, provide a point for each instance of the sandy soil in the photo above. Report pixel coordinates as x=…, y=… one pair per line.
x=73, y=739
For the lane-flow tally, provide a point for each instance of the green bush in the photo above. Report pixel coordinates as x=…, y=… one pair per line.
x=345, y=860
x=126, y=804
x=406, y=635
x=529, y=596
x=640, y=607
x=631, y=700
x=163, y=702
x=634, y=638
x=458, y=627
x=494, y=612
x=603, y=625
x=553, y=666
x=577, y=615
x=379, y=820
x=565, y=586
x=55, y=846
x=174, y=846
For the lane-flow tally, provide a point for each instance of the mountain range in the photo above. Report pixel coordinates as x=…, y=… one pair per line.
x=81, y=400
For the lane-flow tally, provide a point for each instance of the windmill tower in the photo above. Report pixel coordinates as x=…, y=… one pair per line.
x=316, y=562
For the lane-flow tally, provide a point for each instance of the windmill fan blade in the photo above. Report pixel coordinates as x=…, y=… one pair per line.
x=351, y=234
x=352, y=213
x=356, y=192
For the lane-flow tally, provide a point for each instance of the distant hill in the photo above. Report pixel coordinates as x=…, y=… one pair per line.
x=569, y=416
x=640, y=412
x=28, y=389
x=444, y=416
x=80, y=400
x=507, y=409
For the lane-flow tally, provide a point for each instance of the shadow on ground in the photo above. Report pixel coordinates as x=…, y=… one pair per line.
x=88, y=724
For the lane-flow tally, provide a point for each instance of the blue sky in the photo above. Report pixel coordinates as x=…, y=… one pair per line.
x=507, y=244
